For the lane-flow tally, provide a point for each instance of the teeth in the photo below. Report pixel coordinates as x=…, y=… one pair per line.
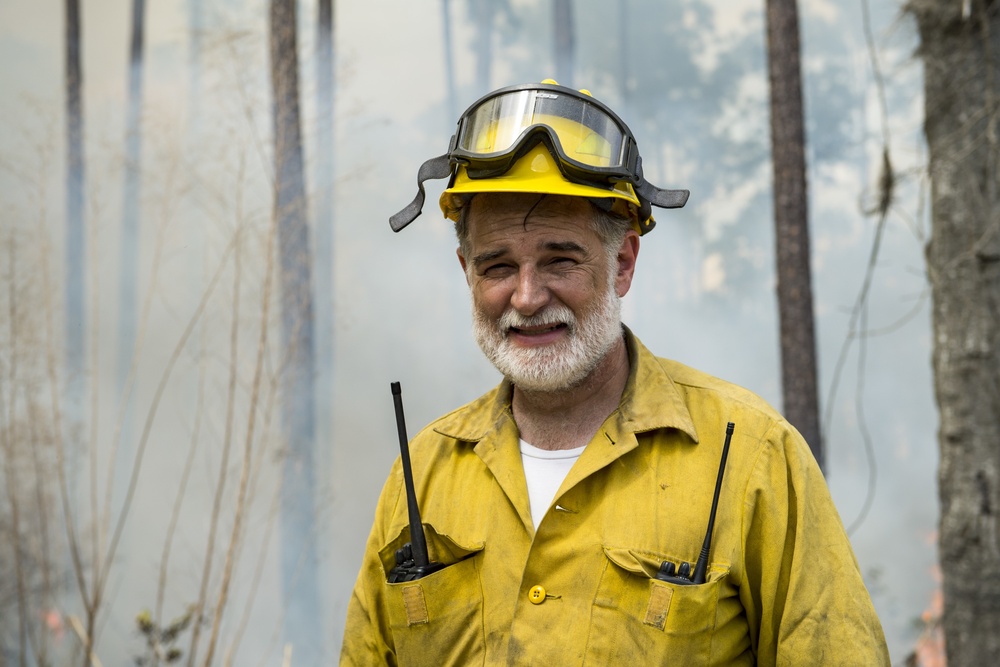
x=537, y=331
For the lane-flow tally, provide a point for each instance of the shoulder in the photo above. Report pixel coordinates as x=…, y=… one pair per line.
x=714, y=402
x=700, y=386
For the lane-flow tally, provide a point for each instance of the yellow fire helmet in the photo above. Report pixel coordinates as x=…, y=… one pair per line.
x=546, y=139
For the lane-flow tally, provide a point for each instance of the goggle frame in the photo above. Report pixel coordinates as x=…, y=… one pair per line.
x=490, y=165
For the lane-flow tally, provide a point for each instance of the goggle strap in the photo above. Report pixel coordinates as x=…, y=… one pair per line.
x=661, y=198
x=435, y=168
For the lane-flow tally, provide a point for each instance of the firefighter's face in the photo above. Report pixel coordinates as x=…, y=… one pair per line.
x=545, y=289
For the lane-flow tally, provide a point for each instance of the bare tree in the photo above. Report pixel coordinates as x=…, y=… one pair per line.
x=562, y=25
x=129, y=271
x=299, y=562
x=449, y=65
x=483, y=12
x=791, y=225
x=76, y=247
x=324, y=215
x=960, y=49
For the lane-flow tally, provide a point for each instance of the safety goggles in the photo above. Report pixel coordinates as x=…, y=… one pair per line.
x=591, y=144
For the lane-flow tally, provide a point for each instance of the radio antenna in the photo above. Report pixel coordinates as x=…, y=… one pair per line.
x=418, y=543
x=702, y=565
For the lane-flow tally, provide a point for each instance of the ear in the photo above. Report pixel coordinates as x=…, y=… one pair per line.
x=627, y=254
x=461, y=260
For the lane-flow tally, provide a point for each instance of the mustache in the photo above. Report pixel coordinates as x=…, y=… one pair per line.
x=553, y=315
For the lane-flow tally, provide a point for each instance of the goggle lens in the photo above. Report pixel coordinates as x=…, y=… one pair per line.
x=585, y=133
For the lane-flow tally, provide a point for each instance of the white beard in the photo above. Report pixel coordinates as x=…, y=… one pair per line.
x=551, y=367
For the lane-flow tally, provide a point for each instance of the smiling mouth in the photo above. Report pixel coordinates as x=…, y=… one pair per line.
x=538, y=331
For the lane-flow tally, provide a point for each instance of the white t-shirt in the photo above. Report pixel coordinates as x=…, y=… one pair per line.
x=545, y=470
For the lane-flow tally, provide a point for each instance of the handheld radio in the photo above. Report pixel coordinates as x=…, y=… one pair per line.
x=682, y=574
x=412, y=561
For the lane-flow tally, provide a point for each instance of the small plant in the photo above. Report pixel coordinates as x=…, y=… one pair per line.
x=161, y=640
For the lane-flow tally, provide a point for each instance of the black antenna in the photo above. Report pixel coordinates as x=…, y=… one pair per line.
x=412, y=560
x=682, y=574
x=702, y=564
x=418, y=543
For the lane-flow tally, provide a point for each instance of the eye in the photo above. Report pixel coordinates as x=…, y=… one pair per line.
x=497, y=270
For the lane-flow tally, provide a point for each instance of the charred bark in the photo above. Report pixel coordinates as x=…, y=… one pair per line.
x=449, y=66
x=303, y=620
x=960, y=49
x=791, y=225
x=128, y=283
x=76, y=237
x=324, y=179
x=562, y=22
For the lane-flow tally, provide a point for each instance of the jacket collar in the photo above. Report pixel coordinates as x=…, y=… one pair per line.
x=651, y=401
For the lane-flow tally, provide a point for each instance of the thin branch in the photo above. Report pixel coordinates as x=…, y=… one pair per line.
x=903, y=320
x=94, y=297
x=86, y=641
x=151, y=415
x=133, y=369
x=53, y=382
x=227, y=446
x=876, y=70
x=178, y=501
x=44, y=552
x=248, y=446
x=9, y=468
x=255, y=582
x=866, y=438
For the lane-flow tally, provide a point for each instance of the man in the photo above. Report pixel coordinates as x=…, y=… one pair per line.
x=568, y=507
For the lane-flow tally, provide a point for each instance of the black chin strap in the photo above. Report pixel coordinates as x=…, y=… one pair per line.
x=650, y=194
x=438, y=167
x=662, y=198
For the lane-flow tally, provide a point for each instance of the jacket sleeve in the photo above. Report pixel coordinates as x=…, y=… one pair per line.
x=367, y=638
x=805, y=599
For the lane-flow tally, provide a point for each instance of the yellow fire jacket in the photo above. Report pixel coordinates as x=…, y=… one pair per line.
x=783, y=584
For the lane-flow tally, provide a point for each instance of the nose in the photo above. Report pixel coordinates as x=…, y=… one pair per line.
x=530, y=293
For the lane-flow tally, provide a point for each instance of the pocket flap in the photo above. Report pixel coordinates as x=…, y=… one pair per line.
x=636, y=561
x=441, y=548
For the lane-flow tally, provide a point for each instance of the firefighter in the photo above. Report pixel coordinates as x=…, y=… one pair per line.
x=567, y=507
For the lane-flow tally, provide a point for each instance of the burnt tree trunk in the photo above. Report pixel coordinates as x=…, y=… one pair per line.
x=960, y=48
x=324, y=220
x=483, y=13
x=449, y=65
x=791, y=225
x=76, y=237
x=303, y=621
x=562, y=23
x=128, y=284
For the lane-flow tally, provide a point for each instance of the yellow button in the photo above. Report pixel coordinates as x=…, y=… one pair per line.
x=536, y=595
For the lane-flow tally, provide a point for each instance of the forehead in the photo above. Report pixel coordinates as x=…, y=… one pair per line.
x=517, y=217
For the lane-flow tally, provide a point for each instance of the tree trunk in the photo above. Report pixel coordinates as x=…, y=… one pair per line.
x=76, y=237
x=625, y=67
x=483, y=12
x=324, y=220
x=129, y=272
x=791, y=225
x=562, y=24
x=960, y=48
x=303, y=621
x=449, y=66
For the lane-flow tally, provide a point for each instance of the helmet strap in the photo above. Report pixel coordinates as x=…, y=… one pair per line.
x=662, y=198
x=438, y=167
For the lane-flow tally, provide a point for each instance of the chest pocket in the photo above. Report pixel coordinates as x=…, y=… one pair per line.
x=635, y=614
x=437, y=620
